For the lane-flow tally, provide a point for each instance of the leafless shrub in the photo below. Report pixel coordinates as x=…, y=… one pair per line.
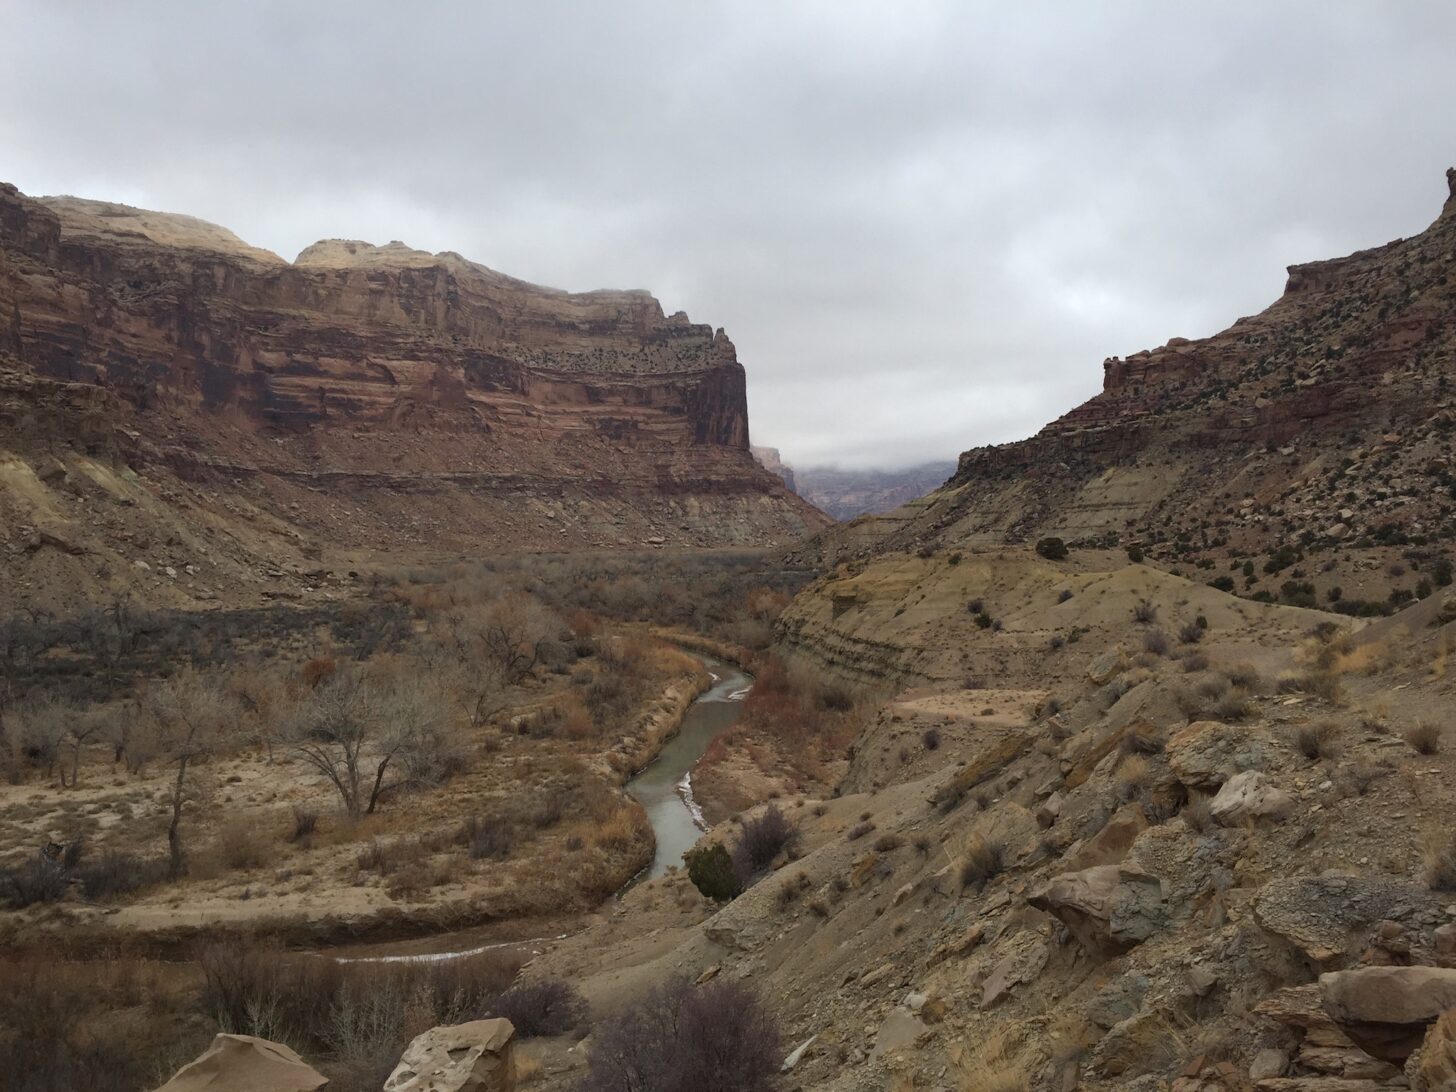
x=715, y=1038
x=1191, y=633
x=305, y=822
x=1145, y=613
x=1232, y=707
x=983, y=860
x=931, y=739
x=947, y=798
x=858, y=831
x=40, y=879
x=369, y=736
x=1134, y=777
x=1245, y=677
x=1155, y=641
x=485, y=839
x=115, y=873
x=542, y=1007
x=762, y=838
x=886, y=843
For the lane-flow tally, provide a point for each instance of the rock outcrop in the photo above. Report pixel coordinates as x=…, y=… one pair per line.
x=362, y=396
x=1387, y=1010
x=245, y=1063
x=473, y=1057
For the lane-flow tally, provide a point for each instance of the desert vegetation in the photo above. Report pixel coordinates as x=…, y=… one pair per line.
x=168, y=755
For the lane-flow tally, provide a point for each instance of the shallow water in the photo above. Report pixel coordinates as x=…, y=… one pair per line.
x=664, y=788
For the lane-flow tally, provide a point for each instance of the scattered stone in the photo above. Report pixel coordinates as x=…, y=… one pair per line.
x=1269, y=1062
x=1248, y=797
x=797, y=1054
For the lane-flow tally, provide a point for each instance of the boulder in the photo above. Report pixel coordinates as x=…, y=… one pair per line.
x=1104, y=666
x=1386, y=1010
x=1445, y=942
x=1111, y=844
x=1327, y=916
x=1269, y=1062
x=1436, y=1069
x=1109, y=908
x=473, y=1057
x=1207, y=753
x=245, y=1063
x=1249, y=797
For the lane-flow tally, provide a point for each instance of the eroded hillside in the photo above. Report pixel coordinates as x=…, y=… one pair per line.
x=1322, y=425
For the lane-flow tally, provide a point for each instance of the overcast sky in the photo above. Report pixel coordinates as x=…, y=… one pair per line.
x=923, y=224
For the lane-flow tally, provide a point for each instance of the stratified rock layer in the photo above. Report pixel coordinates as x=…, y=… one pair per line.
x=365, y=396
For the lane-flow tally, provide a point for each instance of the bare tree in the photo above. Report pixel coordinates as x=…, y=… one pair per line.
x=83, y=725
x=188, y=716
x=513, y=634
x=367, y=735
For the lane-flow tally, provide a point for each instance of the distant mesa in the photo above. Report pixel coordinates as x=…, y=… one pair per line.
x=365, y=396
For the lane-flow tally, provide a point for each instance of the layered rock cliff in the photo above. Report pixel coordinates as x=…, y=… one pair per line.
x=361, y=398
x=1323, y=423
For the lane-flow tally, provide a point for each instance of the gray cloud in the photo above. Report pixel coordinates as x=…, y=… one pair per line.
x=924, y=224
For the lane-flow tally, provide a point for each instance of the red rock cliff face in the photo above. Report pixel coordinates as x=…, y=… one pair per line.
x=349, y=331
x=510, y=414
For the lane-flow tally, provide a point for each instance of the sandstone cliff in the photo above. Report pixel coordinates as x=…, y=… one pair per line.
x=164, y=382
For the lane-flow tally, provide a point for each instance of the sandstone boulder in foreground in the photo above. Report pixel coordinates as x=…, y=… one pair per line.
x=473, y=1057
x=245, y=1063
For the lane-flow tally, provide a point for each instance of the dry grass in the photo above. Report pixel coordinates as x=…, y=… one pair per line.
x=1439, y=855
x=1198, y=814
x=1134, y=776
x=982, y=861
x=1425, y=738
x=1317, y=741
x=620, y=830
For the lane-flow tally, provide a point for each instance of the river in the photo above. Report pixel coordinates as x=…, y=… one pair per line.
x=664, y=789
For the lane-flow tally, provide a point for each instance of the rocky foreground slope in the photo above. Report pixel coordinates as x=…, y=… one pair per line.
x=173, y=398
x=1121, y=831
x=1324, y=423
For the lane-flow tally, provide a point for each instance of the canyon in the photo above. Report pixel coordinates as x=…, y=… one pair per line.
x=196, y=417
